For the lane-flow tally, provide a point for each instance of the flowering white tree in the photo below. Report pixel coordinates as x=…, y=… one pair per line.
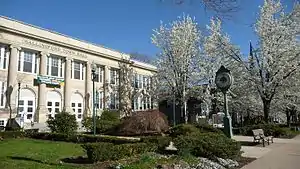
x=179, y=46
x=125, y=89
x=277, y=57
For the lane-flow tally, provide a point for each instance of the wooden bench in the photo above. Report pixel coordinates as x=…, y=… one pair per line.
x=258, y=135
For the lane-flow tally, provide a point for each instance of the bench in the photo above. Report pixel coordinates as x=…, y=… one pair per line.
x=258, y=135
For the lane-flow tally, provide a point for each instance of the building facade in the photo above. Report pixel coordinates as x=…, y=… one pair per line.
x=43, y=73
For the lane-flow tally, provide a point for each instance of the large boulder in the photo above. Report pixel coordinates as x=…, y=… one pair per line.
x=151, y=122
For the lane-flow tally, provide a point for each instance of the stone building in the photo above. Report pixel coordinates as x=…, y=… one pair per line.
x=54, y=74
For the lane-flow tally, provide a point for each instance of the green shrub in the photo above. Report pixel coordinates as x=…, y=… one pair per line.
x=108, y=151
x=109, y=120
x=254, y=120
x=204, y=128
x=183, y=129
x=269, y=130
x=12, y=134
x=81, y=138
x=63, y=123
x=188, y=129
x=161, y=141
x=209, y=145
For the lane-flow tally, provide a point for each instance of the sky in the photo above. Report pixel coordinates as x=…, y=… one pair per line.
x=126, y=25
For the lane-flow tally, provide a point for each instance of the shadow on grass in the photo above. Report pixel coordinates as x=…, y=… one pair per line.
x=30, y=159
x=77, y=160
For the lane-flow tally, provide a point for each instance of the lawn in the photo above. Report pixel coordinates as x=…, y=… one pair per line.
x=39, y=154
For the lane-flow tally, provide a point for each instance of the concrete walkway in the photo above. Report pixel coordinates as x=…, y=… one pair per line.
x=282, y=154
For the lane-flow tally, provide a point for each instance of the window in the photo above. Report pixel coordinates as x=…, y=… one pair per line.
x=1, y=122
x=114, y=76
x=2, y=92
x=55, y=66
x=4, y=54
x=28, y=62
x=151, y=103
x=141, y=102
x=114, y=101
x=145, y=84
x=136, y=103
x=133, y=81
x=99, y=74
x=101, y=100
x=145, y=103
x=140, y=81
x=148, y=102
x=136, y=81
x=77, y=70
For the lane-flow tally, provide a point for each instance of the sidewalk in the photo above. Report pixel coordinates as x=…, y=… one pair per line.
x=282, y=154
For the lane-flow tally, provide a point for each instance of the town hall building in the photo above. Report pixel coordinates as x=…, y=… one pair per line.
x=43, y=72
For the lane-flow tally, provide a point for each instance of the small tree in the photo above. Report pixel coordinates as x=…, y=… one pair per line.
x=63, y=123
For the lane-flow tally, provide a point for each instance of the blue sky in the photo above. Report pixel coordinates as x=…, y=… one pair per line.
x=125, y=25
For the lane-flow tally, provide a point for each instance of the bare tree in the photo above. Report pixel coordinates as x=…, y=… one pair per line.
x=141, y=57
x=221, y=8
x=8, y=94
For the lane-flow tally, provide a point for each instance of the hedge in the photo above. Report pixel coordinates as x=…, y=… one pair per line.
x=269, y=130
x=187, y=129
x=209, y=145
x=12, y=134
x=82, y=138
x=160, y=141
x=109, y=151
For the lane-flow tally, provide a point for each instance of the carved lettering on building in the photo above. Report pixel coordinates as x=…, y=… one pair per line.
x=54, y=48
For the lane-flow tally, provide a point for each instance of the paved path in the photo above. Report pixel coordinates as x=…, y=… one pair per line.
x=282, y=154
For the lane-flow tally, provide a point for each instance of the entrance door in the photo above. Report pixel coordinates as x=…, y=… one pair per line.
x=78, y=110
x=27, y=109
x=53, y=108
x=53, y=103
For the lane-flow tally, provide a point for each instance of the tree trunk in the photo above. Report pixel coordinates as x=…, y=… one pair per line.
x=266, y=104
x=288, y=117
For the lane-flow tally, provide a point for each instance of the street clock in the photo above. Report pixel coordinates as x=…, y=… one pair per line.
x=223, y=79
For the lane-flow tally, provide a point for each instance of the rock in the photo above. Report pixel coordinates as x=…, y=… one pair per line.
x=164, y=166
x=171, y=147
x=208, y=164
x=228, y=163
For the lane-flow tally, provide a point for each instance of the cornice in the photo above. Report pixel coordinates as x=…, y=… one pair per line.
x=59, y=43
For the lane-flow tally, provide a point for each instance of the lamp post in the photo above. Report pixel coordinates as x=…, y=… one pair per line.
x=18, y=107
x=19, y=87
x=94, y=67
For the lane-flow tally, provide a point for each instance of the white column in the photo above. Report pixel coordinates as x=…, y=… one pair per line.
x=41, y=115
x=67, y=87
x=88, y=90
x=106, y=86
x=12, y=85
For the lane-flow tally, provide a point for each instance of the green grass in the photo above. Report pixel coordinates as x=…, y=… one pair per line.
x=39, y=154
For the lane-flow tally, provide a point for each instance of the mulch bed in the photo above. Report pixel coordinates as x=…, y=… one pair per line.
x=244, y=161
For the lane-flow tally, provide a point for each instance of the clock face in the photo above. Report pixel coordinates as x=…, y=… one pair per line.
x=223, y=80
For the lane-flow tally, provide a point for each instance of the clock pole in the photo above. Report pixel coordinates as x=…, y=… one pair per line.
x=227, y=118
x=223, y=82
